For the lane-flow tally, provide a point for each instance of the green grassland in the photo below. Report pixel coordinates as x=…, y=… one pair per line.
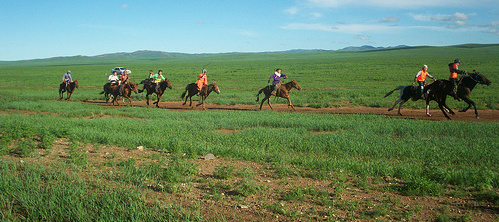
x=430, y=156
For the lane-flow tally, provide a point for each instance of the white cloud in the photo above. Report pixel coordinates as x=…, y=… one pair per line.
x=316, y=15
x=125, y=6
x=363, y=37
x=343, y=28
x=491, y=24
x=292, y=10
x=425, y=18
x=305, y=26
x=390, y=19
x=398, y=3
x=455, y=17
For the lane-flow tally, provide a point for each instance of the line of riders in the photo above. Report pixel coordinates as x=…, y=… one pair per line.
x=453, y=78
x=155, y=78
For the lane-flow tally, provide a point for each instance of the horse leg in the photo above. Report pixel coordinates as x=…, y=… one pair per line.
x=290, y=104
x=69, y=96
x=185, y=100
x=157, y=102
x=447, y=107
x=268, y=102
x=428, y=106
x=261, y=104
x=400, y=106
x=396, y=102
x=441, y=105
x=470, y=103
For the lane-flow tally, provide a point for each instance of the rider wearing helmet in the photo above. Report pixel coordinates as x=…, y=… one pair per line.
x=420, y=79
x=453, y=68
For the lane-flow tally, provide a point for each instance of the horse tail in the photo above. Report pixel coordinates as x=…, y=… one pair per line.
x=183, y=94
x=389, y=93
x=258, y=94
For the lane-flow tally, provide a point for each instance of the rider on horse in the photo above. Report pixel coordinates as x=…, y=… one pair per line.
x=420, y=79
x=277, y=81
x=123, y=80
x=202, y=80
x=113, y=78
x=156, y=78
x=453, y=68
x=66, y=78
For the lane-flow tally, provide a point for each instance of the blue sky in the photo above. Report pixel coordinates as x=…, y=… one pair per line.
x=43, y=29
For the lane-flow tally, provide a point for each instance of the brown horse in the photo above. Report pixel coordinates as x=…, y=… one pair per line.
x=114, y=90
x=282, y=92
x=71, y=88
x=205, y=92
x=151, y=88
x=439, y=90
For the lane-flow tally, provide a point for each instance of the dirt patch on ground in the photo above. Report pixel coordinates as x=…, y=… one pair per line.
x=273, y=195
x=485, y=115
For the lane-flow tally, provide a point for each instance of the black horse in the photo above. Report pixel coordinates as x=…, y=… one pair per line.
x=406, y=93
x=72, y=85
x=150, y=87
x=439, y=90
x=204, y=93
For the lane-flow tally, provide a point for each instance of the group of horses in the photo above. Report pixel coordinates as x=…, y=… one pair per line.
x=113, y=91
x=439, y=90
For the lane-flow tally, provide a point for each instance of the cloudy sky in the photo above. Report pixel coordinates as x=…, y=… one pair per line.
x=31, y=29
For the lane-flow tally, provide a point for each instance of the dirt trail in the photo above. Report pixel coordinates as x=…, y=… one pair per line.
x=485, y=115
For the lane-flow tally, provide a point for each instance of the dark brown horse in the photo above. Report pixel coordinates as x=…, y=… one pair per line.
x=205, y=92
x=114, y=90
x=406, y=93
x=439, y=90
x=150, y=87
x=71, y=88
x=282, y=92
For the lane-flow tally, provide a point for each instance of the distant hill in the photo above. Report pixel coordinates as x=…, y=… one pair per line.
x=143, y=54
x=368, y=47
x=146, y=54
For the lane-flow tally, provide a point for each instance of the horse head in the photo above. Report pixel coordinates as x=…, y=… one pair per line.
x=215, y=87
x=295, y=85
x=168, y=84
x=479, y=78
x=76, y=84
x=134, y=87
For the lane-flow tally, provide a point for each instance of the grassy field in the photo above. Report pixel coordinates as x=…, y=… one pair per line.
x=432, y=158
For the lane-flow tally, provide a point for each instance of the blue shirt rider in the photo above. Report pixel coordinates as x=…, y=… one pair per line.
x=67, y=78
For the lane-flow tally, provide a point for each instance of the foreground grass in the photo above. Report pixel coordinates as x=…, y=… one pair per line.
x=456, y=153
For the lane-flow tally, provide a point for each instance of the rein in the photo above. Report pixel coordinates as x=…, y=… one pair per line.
x=476, y=78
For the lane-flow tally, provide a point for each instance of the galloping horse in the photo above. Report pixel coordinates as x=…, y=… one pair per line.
x=114, y=90
x=282, y=92
x=71, y=88
x=205, y=92
x=150, y=88
x=406, y=93
x=439, y=90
